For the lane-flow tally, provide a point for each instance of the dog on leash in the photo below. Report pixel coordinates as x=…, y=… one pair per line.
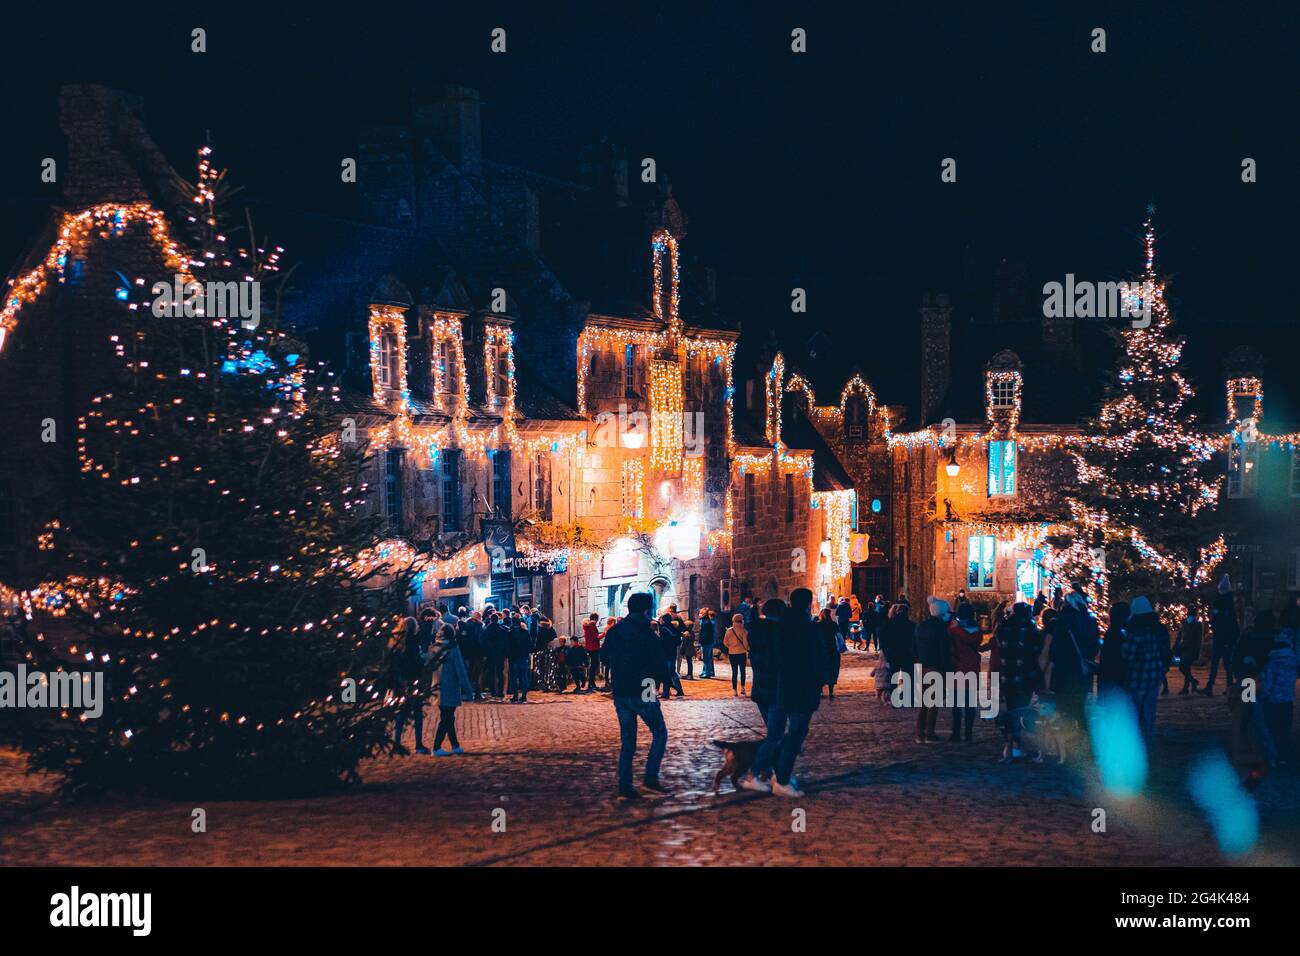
x=739, y=758
x=1038, y=728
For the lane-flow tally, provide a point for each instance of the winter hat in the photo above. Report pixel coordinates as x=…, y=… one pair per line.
x=938, y=607
x=1140, y=605
x=1225, y=584
x=966, y=613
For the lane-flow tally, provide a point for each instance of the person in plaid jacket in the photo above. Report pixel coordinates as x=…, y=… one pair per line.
x=1146, y=658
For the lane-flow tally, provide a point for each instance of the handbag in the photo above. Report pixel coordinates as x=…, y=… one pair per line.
x=1088, y=667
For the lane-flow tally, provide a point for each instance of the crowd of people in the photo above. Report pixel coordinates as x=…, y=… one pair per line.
x=1049, y=658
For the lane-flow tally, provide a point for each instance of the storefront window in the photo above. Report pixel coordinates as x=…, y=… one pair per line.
x=979, y=565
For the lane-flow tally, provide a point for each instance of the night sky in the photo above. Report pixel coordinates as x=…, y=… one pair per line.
x=819, y=170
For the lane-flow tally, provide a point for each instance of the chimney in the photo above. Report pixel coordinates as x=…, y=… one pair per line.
x=603, y=168
x=105, y=142
x=936, y=345
x=450, y=116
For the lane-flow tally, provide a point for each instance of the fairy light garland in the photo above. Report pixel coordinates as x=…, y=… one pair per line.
x=1245, y=386
x=667, y=404
x=838, y=507
x=1003, y=420
x=76, y=230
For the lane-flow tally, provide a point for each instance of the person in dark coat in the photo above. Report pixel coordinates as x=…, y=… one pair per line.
x=800, y=667
x=454, y=688
x=1187, y=650
x=405, y=670
x=746, y=608
x=964, y=643
x=1017, y=645
x=576, y=660
x=635, y=660
x=828, y=631
x=896, y=640
x=545, y=635
x=843, y=617
x=1224, y=631
x=762, y=655
x=708, y=638
x=1146, y=658
x=670, y=639
x=930, y=649
x=519, y=650
x=470, y=638
x=1110, y=663
x=1068, y=655
x=496, y=649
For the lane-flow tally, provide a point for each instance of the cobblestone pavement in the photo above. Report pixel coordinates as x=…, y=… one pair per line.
x=874, y=797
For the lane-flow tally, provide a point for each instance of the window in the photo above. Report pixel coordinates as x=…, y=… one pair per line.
x=388, y=359
x=629, y=371
x=502, y=375
x=789, y=499
x=501, y=482
x=980, y=549
x=448, y=372
x=450, y=490
x=855, y=419
x=1242, y=473
x=393, y=488
x=540, y=486
x=1245, y=405
x=749, y=499
x=1295, y=473
x=1002, y=468
x=1004, y=392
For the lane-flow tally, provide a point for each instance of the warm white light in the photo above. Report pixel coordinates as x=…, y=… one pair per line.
x=632, y=439
x=953, y=469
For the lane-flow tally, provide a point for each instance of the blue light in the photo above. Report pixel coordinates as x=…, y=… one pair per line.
x=292, y=358
x=1232, y=812
x=1117, y=743
x=555, y=446
x=876, y=505
x=122, y=294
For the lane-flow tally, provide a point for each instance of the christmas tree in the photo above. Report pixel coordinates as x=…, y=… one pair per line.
x=1143, y=517
x=213, y=556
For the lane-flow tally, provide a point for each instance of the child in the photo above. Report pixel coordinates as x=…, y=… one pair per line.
x=576, y=659
x=883, y=687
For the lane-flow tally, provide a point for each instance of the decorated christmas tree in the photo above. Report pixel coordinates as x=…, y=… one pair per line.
x=213, y=557
x=1143, y=517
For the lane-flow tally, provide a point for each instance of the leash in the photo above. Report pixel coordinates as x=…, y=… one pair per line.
x=741, y=723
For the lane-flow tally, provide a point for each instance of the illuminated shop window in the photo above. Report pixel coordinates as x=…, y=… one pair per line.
x=980, y=549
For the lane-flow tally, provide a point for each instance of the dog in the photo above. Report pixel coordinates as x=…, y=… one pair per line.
x=1038, y=729
x=739, y=758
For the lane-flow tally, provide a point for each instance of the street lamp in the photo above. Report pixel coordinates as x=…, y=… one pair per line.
x=952, y=467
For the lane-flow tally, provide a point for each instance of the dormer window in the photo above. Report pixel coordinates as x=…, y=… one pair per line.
x=1245, y=400
x=1002, y=393
x=388, y=360
x=498, y=363
x=387, y=350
